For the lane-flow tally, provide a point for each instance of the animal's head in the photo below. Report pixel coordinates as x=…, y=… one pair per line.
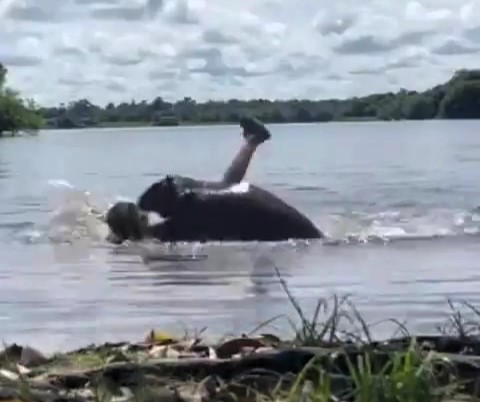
x=126, y=222
x=161, y=197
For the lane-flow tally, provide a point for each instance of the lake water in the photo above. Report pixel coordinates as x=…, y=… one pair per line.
x=399, y=202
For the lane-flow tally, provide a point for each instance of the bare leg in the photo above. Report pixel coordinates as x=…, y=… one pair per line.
x=255, y=134
x=164, y=195
x=237, y=169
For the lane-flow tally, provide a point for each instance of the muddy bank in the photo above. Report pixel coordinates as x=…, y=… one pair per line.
x=331, y=356
x=190, y=369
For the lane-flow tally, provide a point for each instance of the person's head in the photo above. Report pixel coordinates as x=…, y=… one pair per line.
x=126, y=222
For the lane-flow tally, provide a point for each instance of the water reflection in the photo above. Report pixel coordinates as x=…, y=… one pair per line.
x=4, y=171
x=207, y=265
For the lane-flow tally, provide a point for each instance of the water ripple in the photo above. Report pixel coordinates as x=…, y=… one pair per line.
x=403, y=232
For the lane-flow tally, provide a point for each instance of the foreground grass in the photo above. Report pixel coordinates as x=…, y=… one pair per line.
x=405, y=376
x=339, y=361
x=409, y=375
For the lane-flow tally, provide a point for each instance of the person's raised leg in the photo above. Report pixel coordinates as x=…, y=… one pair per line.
x=254, y=133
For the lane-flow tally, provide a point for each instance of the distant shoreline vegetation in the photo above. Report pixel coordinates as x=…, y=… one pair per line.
x=458, y=98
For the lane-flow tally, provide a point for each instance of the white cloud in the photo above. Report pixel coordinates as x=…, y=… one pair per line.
x=116, y=50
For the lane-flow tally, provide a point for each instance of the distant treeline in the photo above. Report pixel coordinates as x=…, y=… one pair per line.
x=459, y=98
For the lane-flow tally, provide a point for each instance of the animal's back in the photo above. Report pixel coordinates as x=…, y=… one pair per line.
x=249, y=214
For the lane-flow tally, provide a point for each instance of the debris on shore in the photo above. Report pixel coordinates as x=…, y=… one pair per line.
x=238, y=369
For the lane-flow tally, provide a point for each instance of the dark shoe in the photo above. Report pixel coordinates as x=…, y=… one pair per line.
x=254, y=130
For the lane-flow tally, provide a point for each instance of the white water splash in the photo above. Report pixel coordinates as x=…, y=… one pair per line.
x=400, y=224
x=77, y=214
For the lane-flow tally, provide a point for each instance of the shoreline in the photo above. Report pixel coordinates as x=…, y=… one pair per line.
x=189, y=123
x=331, y=356
x=234, y=124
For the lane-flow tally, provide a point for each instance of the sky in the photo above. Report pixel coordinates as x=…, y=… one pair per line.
x=118, y=50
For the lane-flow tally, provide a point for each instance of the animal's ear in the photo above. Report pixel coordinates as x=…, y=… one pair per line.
x=169, y=180
x=170, y=185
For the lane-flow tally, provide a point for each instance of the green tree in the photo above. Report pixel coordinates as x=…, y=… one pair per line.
x=462, y=101
x=419, y=107
x=361, y=108
x=303, y=115
x=3, y=74
x=15, y=113
x=323, y=116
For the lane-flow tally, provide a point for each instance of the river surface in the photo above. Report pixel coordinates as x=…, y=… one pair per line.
x=398, y=201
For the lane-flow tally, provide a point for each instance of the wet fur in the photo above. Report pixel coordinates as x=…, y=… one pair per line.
x=197, y=211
